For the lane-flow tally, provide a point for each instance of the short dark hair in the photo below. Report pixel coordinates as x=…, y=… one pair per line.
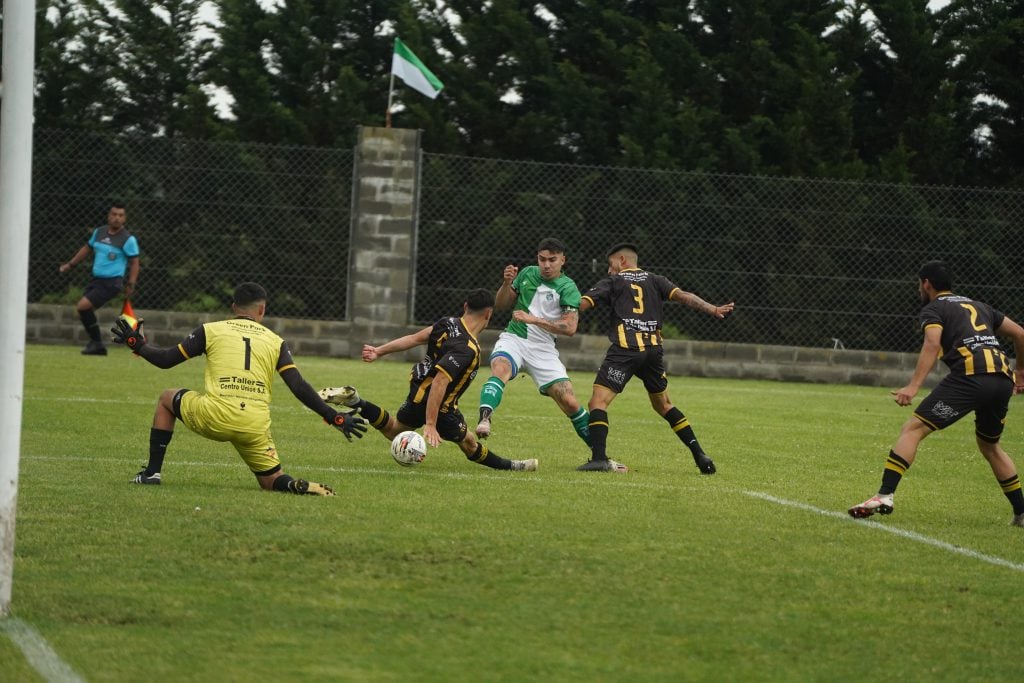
x=552, y=244
x=479, y=299
x=620, y=246
x=249, y=293
x=937, y=273
x=116, y=205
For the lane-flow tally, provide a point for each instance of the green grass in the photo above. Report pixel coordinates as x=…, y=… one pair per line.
x=450, y=571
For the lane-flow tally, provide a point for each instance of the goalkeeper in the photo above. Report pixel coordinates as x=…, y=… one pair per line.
x=241, y=357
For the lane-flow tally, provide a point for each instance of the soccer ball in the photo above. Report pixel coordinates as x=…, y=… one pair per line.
x=408, y=449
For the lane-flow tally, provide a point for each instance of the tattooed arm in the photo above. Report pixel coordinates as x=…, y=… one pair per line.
x=695, y=302
x=566, y=325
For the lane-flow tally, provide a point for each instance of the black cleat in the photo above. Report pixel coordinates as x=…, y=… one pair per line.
x=309, y=488
x=148, y=479
x=604, y=465
x=705, y=464
x=94, y=348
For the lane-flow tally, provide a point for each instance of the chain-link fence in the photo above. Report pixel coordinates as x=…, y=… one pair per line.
x=808, y=262
x=207, y=215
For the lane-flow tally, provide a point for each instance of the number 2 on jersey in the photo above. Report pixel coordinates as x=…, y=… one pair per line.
x=974, y=318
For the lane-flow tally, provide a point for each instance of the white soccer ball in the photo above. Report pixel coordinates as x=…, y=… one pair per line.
x=408, y=449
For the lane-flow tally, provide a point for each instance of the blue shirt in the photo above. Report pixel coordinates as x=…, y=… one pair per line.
x=112, y=251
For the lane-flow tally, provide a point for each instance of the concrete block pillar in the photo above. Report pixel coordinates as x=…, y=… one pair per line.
x=382, y=244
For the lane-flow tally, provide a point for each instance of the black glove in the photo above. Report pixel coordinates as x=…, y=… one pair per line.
x=130, y=335
x=349, y=424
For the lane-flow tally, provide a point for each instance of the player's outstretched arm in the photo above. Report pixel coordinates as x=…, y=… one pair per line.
x=372, y=353
x=349, y=424
x=695, y=302
x=80, y=255
x=133, y=336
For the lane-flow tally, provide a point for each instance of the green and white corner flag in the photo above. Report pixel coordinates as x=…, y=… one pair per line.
x=410, y=69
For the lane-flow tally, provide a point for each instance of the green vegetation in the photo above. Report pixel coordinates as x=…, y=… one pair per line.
x=890, y=90
x=450, y=571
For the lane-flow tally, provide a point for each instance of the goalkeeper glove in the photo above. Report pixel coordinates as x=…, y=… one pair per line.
x=349, y=424
x=128, y=334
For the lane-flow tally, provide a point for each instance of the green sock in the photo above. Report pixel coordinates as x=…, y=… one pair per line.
x=581, y=423
x=490, y=396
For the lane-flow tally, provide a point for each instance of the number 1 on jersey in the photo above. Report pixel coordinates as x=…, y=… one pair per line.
x=248, y=351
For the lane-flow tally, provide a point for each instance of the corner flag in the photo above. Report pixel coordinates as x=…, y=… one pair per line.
x=410, y=69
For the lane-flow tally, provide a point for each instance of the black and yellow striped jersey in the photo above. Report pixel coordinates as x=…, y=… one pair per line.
x=636, y=299
x=969, y=344
x=453, y=350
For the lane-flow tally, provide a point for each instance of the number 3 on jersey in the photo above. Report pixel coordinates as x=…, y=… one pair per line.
x=638, y=297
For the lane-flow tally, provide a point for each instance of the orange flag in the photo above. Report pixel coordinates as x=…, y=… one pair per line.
x=128, y=312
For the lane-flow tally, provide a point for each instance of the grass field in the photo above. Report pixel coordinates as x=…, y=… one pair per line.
x=453, y=572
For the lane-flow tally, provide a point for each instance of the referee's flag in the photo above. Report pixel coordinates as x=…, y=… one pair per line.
x=128, y=313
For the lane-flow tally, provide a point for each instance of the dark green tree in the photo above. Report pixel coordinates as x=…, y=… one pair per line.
x=304, y=72
x=992, y=34
x=913, y=112
x=71, y=67
x=153, y=58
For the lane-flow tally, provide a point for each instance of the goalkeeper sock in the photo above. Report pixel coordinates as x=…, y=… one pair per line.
x=1013, y=492
x=484, y=457
x=284, y=483
x=681, y=426
x=895, y=468
x=581, y=423
x=92, y=327
x=490, y=396
x=598, y=430
x=158, y=440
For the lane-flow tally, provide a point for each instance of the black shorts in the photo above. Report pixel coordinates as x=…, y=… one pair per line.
x=620, y=365
x=450, y=425
x=956, y=395
x=100, y=290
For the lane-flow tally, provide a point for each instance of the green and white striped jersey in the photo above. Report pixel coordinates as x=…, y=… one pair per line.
x=544, y=299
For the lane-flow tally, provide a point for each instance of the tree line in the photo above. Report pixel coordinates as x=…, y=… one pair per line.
x=880, y=90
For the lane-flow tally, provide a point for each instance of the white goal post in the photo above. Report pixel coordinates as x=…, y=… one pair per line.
x=16, y=98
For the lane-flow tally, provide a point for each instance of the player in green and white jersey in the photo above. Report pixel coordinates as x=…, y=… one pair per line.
x=545, y=304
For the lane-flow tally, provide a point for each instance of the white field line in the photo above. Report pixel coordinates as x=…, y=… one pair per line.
x=903, y=533
x=619, y=481
x=38, y=652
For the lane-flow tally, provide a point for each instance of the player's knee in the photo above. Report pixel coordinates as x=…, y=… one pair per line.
x=469, y=445
x=501, y=368
x=988, y=445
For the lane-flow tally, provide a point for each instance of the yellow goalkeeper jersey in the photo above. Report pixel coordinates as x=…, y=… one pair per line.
x=242, y=357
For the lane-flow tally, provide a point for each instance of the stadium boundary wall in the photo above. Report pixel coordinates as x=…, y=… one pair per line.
x=48, y=323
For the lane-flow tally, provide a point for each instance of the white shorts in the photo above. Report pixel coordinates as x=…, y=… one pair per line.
x=539, y=360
